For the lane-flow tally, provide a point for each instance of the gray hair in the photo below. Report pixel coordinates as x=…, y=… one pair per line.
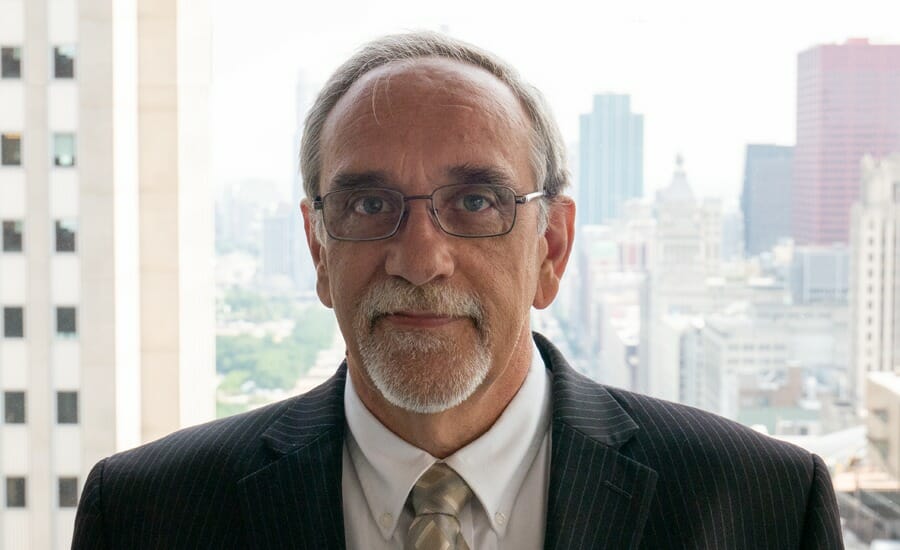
x=547, y=149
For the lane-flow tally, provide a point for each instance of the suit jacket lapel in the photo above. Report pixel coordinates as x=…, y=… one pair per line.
x=598, y=497
x=294, y=500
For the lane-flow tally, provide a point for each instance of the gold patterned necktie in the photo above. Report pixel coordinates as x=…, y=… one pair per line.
x=436, y=499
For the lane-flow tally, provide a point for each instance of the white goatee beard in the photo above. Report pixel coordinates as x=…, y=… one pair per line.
x=418, y=370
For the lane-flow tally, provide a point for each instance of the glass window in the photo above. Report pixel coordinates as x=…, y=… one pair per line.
x=10, y=62
x=15, y=492
x=65, y=235
x=12, y=236
x=68, y=492
x=64, y=149
x=11, y=149
x=67, y=407
x=14, y=407
x=66, y=322
x=64, y=61
x=13, y=322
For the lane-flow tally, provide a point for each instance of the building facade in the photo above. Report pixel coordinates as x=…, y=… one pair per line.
x=846, y=108
x=883, y=421
x=820, y=274
x=105, y=265
x=686, y=251
x=874, y=279
x=766, y=196
x=611, y=159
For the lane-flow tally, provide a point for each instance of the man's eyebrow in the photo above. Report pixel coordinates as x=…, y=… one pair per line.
x=468, y=173
x=350, y=180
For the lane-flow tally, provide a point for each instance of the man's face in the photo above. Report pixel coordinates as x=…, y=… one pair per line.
x=428, y=318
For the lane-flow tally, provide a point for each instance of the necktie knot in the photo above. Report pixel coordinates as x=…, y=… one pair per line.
x=436, y=499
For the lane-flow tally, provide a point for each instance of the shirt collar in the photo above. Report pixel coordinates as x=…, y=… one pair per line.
x=388, y=467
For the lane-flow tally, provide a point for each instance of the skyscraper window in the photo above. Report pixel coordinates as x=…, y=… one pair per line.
x=67, y=407
x=10, y=62
x=65, y=235
x=64, y=61
x=13, y=322
x=66, y=326
x=14, y=407
x=68, y=492
x=11, y=149
x=12, y=236
x=15, y=492
x=64, y=149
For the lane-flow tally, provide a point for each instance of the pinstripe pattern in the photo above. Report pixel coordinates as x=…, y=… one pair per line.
x=627, y=471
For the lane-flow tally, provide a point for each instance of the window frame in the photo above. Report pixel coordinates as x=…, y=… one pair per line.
x=67, y=486
x=16, y=419
x=6, y=330
x=22, y=491
x=6, y=138
x=56, y=54
x=12, y=245
x=60, y=310
x=61, y=227
x=63, y=408
x=18, y=62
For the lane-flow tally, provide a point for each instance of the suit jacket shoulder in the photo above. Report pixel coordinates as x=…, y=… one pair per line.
x=185, y=490
x=687, y=478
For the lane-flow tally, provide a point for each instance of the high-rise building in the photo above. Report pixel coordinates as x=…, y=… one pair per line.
x=766, y=196
x=106, y=258
x=686, y=250
x=883, y=421
x=276, y=245
x=846, y=108
x=874, y=275
x=611, y=159
x=820, y=274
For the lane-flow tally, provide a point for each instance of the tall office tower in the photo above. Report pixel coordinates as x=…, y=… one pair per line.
x=277, y=241
x=766, y=197
x=611, y=159
x=105, y=264
x=875, y=273
x=846, y=108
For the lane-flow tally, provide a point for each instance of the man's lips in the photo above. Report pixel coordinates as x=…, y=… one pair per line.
x=418, y=319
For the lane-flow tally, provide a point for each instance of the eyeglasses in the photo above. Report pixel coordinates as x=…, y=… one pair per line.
x=463, y=210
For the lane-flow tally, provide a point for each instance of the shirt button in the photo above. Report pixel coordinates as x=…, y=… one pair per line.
x=387, y=520
x=500, y=518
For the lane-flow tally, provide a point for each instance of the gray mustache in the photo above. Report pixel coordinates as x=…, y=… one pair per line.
x=393, y=295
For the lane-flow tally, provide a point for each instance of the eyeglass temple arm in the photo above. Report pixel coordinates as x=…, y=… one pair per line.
x=522, y=199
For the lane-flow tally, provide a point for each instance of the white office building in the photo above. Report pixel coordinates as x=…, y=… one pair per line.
x=874, y=282
x=106, y=334
x=686, y=251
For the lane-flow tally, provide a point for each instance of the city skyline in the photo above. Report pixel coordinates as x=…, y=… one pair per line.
x=707, y=86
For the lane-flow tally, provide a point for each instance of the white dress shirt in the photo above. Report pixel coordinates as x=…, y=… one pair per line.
x=507, y=469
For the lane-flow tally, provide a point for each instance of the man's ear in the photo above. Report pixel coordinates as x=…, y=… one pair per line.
x=317, y=251
x=559, y=236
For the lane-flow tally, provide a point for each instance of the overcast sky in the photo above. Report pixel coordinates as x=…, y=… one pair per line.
x=708, y=76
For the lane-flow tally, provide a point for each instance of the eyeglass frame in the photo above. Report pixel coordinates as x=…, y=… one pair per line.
x=318, y=204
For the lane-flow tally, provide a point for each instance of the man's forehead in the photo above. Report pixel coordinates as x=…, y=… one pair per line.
x=421, y=106
x=400, y=88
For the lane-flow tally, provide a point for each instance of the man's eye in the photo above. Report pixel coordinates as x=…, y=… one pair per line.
x=370, y=205
x=475, y=203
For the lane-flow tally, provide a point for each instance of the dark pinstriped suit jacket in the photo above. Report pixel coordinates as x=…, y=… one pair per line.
x=627, y=471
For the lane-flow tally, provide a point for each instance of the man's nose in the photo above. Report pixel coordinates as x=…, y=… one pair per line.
x=420, y=251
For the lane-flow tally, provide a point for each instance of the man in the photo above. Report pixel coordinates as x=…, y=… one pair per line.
x=435, y=220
